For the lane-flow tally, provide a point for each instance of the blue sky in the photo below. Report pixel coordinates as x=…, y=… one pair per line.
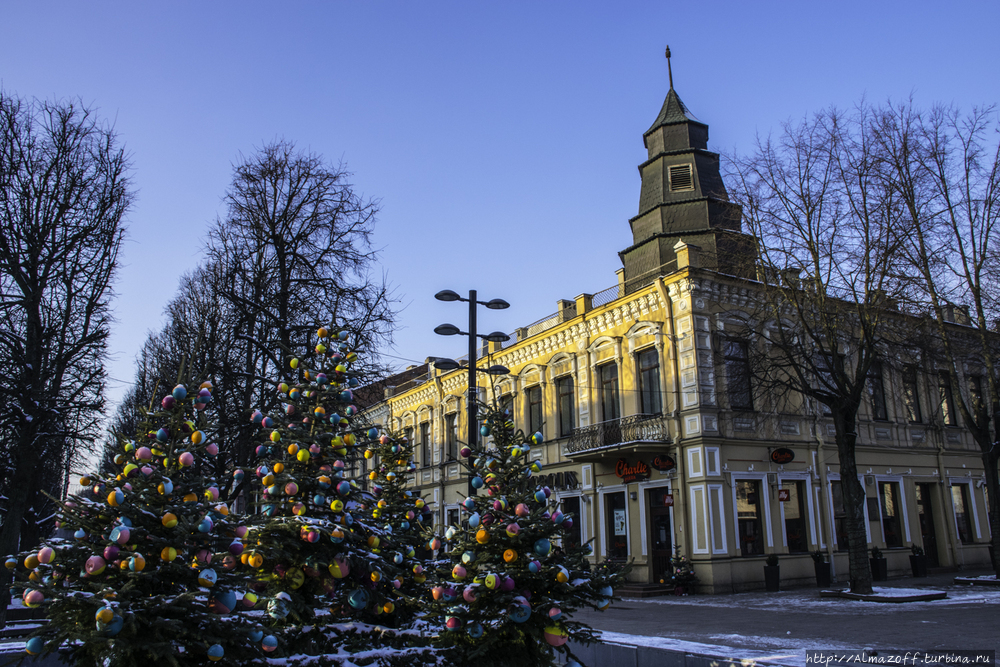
x=501, y=138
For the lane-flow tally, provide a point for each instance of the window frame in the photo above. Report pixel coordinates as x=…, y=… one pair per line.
x=650, y=397
x=947, y=406
x=911, y=395
x=735, y=367
x=425, y=444
x=604, y=383
x=566, y=404
x=535, y=421
x=451, y=436
x=875, y=383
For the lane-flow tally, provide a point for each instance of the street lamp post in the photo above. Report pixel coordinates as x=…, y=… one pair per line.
x=449, y=364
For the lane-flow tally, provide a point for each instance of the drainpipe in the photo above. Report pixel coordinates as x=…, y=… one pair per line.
x=681, y=477
x=824, y=504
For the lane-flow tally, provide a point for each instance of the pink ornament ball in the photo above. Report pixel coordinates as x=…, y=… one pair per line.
x=212, y=449
x=144, y=454
x=186, y=459
x=94, y=565
x=46, y=555
x=33, y=598
x=241, y=532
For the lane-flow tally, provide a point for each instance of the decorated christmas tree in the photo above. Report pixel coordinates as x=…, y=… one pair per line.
x=151, y=575
x=510, y=581
x=326, y=557
x=404, y=516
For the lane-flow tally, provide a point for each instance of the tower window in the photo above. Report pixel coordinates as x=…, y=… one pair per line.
x=681, y=178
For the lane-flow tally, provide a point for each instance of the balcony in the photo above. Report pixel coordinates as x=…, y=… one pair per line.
x=628, y=431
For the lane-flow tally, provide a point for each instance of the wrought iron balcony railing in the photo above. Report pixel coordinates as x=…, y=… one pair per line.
x=634, y=428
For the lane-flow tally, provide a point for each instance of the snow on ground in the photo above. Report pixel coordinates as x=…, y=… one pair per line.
x=809, y=600
x=774, y=651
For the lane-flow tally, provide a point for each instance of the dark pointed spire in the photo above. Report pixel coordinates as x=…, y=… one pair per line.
x=673, y=110
x=670, y=71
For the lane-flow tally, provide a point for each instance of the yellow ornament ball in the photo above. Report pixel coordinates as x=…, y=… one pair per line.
x=373, y=475
x=295, y=578
x=197, y=438
x=168, y=554
x=85, y=481
x=267, y=480
x=369, y=453
x=169, y=520
x=294, y=363
x=388, y=607
x=322, y=332
x=293, y=449
x=510, y=555
x=482, y=536
x=279, y=468
x=275, y=436
x=303, y=455
x=105, y=614
x=191, y=497
x=337, y=505
x=31, y=562
x=256, y=561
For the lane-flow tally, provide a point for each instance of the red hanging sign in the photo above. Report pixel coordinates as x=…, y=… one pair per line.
x=631, y=473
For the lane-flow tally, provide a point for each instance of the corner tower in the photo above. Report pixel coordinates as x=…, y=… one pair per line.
x=682, y=198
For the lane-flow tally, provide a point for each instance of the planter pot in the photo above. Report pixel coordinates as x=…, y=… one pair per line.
x=918, y=564
x=772, y=578
x=879, y=569
x=823, y=574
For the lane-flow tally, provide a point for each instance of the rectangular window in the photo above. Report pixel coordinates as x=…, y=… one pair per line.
x=617, y=526
x=567, y=406
x=738, y=374
x=748, y=515
x=911, y=396
x=876, y=392
x=608, y=374
x=507, y=405
x=425, y=444
x=795, y=517
x=649, y=381
x=839, y=515
x=571, y=508
x=963, y=517
x=451, y=436
x=892, y=513
x=408, y=434
x=534, y=395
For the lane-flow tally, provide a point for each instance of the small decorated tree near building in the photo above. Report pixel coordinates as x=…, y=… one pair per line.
x=328, y=560
x=404, y=517
x=151, y=575
x=510, y=581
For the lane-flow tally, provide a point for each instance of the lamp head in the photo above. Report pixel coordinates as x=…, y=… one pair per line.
x=446, y=330
x=496, y=304
x=447, y=295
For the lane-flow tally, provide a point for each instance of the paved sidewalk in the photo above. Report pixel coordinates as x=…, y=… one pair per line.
x=780, y=627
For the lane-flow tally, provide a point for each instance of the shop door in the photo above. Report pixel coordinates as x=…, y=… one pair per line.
x=927, y=523
x=660, y=534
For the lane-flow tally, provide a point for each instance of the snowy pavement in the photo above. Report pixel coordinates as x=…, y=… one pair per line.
x=780, y=627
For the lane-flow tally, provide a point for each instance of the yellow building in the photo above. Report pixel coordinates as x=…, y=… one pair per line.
x=654, y=437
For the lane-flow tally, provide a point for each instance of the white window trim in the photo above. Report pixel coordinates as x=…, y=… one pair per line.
x=835, y=477
x=972, y=501
x=902, y=496
x=643, y=515
x=713, y=466
x=715, y=495
x=762, y=478
x=798, y=477
x=582, y=517
x=604, y=524
x=693, y=491
x=693, y=454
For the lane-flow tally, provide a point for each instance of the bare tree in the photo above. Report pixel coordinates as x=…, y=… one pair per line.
x=828, y=232
x=945, y=167
x=293, y=251
x=64, y=191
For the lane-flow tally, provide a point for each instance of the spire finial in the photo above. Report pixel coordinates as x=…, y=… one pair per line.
x=670, y=71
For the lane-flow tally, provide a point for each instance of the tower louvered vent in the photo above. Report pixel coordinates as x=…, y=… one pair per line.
x=681, y=178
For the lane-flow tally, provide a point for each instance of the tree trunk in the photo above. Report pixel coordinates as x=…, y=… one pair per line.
x=990, y=457
x=859, y=569
x=10, y=532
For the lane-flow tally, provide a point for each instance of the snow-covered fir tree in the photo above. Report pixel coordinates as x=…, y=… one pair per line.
x=510, y=581
x=151, y=572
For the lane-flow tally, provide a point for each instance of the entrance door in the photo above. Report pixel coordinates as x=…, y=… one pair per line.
x=661, y=536
x=927, y=523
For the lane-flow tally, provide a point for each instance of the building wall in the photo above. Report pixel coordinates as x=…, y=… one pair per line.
x=719, y=452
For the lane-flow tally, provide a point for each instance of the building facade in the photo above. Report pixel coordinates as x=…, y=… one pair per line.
x=655, y=437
